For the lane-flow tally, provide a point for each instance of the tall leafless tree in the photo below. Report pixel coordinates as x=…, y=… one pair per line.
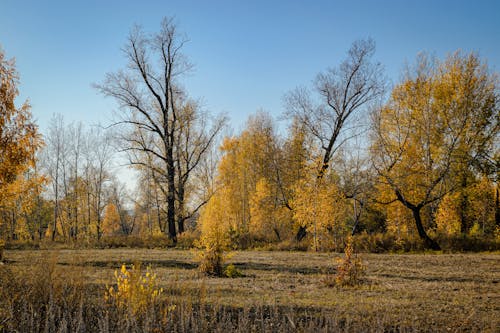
x=155, y=107
x=101, y=153
x=53, y=157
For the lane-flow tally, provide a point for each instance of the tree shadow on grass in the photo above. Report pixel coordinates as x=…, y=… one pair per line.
x=435, y=278
x=278, y=268
x=118, y=263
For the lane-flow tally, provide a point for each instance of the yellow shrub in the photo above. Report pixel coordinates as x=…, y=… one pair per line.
x=215, y=226
x=134, y=291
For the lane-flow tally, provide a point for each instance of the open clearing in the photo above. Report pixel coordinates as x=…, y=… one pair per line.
x=454, y=292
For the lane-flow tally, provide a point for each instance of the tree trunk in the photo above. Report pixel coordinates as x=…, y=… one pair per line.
x=357, y=215
x=277, y=233
x=54, y=224
x=497, y=208
x=301, y=233
x=56, y=207
x=180, y=208
x=98, y=227
x=429, y=243
x=172, y=234
x=463, y=205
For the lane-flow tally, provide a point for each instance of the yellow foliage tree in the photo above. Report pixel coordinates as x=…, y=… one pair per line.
x=111, y=221
x=19, y=137
x=441, y=119
x=319, y=207
x=268, y=219
x=480, y=212
x=252, y=157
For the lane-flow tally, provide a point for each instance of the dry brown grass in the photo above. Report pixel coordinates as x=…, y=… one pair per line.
x=282, y=291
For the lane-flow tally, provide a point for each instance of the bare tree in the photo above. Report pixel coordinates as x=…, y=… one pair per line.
x=101, y=154
x=356, y=178
x=118, y=198
x=53, y=157
x=148, y=93
x=156, y=112
x=196, y=137
x=75, y=139
x=345, y=93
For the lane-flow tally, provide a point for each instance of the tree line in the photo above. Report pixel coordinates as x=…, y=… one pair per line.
x=357, y=155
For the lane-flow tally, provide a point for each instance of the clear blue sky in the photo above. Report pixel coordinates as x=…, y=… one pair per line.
x=247, y=53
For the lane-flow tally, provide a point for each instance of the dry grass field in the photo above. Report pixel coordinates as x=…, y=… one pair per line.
x=282, y=291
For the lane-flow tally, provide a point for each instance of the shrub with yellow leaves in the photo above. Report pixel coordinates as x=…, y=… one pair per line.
x=215, y=226
x=134, y=292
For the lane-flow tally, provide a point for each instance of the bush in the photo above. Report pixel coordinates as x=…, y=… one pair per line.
x=458, y=243
x=133, y=241
x=134, y=293
x=187, y=239
x=211, y=261
x=386, y=242
x=349, y=269
x=21, y=245
x=232, y=272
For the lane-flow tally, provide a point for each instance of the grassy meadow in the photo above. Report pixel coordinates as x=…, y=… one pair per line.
x=279, y=292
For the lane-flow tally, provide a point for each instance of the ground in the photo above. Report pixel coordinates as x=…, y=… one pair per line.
x=457, y=292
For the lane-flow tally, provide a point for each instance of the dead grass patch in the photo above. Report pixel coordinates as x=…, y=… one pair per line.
x=424, y=292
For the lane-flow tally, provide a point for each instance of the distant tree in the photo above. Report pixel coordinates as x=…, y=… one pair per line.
x=345, y=93
x=101, y=154
x=250, y=158
x=118, y=198
x=111, y=220
x=53, y=159
x=196, y=138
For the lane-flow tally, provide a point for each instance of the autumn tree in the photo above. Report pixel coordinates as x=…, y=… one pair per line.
x=76, y=140
x=345, y=93
x=250, y=172
x=269, y=219
x=166, y=132
x=479, y=209
x=319, y=208
x=19, y=138
x=22, y=211
x=442, y=118
x=149, y=205
x=111, y=220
